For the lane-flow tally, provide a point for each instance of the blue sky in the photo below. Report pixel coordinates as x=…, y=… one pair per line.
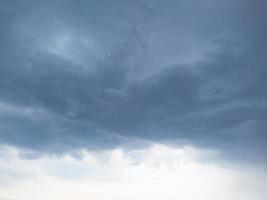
x=130, y=81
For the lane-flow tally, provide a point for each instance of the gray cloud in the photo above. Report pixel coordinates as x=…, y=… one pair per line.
x=98, y=74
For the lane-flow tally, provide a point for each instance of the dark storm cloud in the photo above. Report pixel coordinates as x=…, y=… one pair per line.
x=98, y=73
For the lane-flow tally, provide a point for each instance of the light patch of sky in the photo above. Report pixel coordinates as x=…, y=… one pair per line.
x=156, y=172
x=77, y=48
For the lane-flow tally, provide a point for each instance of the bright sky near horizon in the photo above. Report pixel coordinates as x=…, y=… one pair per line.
x=156, y=172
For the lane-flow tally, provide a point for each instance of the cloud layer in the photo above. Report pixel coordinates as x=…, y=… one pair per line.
x=98, y=74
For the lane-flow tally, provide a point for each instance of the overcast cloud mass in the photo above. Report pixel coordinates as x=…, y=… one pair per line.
x=101, y=75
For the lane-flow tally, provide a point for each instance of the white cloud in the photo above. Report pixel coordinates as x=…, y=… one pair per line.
x=157, y=172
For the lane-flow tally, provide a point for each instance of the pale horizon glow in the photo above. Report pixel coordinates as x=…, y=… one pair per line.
x=156, y=172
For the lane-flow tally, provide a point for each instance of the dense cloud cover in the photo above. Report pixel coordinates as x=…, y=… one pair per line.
x=98, y=74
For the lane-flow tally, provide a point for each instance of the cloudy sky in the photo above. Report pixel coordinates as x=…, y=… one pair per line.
x=133, y=99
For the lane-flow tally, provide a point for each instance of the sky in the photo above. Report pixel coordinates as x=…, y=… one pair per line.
x=133, y=99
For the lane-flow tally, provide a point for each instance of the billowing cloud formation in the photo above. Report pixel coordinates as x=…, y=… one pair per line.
x=95, y=74
x=154, y=173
